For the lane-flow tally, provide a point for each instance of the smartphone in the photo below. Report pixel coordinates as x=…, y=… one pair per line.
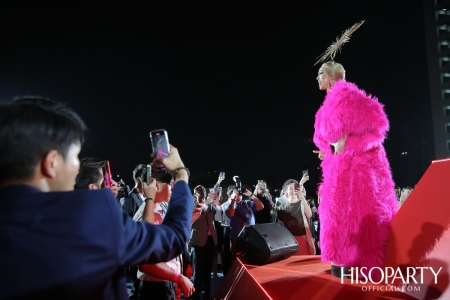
x=260, y=182
x=297, y=186
x=160, y=143
x=149, y=173
x=107, y=174
x=222, y=174
x=305, y=172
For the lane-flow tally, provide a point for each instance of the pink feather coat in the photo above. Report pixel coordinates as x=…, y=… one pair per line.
x=357, y=193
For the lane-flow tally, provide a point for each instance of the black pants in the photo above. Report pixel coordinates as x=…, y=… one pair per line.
x=203, y=261
x=219, y=235
x=227, y=256
x=160, y=290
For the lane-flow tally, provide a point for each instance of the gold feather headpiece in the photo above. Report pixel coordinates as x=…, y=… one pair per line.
x=336, y=46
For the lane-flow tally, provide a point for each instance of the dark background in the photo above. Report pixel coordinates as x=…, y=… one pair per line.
x=233, y=83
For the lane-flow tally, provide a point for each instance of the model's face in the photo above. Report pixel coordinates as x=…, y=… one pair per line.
x=67, y=170
x=324, y=79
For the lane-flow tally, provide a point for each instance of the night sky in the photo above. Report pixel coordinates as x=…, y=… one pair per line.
x=233, y=83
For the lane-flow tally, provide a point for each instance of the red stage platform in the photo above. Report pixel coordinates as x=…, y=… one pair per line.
x=298, y=277
x=420, y=238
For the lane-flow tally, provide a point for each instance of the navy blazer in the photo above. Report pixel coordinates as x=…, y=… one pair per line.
x=76, y=245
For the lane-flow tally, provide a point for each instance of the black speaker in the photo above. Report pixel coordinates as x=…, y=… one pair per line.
x=265, y=243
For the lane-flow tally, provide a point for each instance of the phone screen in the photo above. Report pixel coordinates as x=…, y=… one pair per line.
x=160, y=143
x=149, y=173
x=297, y=186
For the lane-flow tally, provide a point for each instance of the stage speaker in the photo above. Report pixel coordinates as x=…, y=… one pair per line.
x=265, y=243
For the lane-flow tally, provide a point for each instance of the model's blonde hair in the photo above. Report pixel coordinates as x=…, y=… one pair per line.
x=334, y=69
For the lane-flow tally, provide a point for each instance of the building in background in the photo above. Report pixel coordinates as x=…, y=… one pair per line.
x=437, y=31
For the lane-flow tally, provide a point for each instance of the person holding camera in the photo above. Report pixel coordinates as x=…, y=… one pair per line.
x=404, y=194
x=294, y=213
x=314, y=222
x=55, y=234
x=91, y=177
x=203, y=241
x=240, y=212
x=264, y=215
x=157, y=281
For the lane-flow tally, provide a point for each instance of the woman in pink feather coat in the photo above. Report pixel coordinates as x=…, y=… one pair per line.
x=357, y=199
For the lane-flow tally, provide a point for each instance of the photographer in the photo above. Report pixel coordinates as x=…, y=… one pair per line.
x=157, y=280
x=240, y=212
x=91, y=176
x=203, y=241
x=294, y=213
x=66, y=249
x=406, y=191
x=314, y=222
x=265, y=214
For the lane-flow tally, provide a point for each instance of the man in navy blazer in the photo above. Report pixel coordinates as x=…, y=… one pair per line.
x=56, y=243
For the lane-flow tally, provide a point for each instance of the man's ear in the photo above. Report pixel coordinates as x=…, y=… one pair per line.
x=158, y=186
x=91, y=187
x=49, y=164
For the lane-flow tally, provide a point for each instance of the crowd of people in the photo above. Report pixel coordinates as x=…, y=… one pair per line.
x=79, y=237
x=216, y=223
x=77, y=233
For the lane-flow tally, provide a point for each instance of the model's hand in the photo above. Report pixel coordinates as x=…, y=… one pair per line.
x=187, y=287
x=321, y=154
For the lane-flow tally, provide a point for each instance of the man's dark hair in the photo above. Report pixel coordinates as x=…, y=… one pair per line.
x=288, y=182
x=29, y=129
x=89, y=172
x=162, y=176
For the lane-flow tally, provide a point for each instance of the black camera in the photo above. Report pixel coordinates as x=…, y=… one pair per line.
x=124, y=190
x=240, y=188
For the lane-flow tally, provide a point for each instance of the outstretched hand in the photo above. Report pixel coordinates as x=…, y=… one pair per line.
x=321, y=154
x=304, y=179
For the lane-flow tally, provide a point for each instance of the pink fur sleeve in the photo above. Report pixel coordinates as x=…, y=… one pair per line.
x=347, y=110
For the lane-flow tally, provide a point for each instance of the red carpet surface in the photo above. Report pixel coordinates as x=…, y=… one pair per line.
x=298, y=277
